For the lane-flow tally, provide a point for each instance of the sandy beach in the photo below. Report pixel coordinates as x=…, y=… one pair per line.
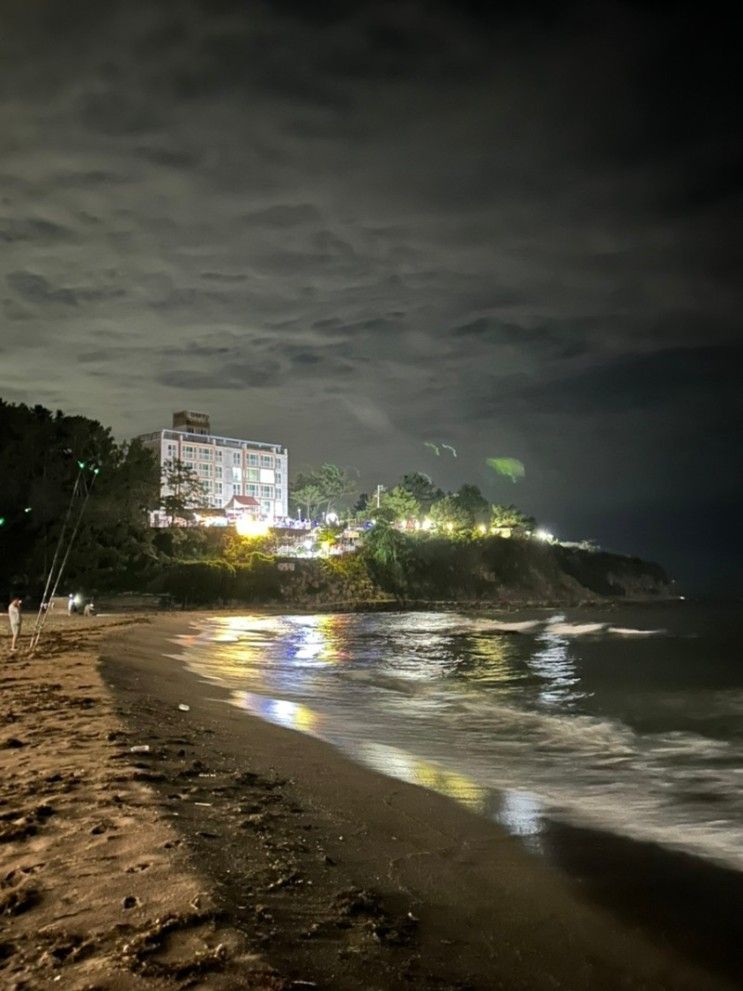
x=235, y=854
x=95, y=888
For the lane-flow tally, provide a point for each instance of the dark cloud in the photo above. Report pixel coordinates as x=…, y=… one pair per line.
x=674, y=377
x=31, y=229
x=232, y=376
x=351, y=226
x=284, y=215
x=36, y=289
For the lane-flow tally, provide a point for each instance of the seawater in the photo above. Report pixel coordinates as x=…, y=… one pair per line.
x=628, y=721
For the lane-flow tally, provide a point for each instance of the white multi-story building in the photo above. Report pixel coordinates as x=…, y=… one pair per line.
x=226, y=466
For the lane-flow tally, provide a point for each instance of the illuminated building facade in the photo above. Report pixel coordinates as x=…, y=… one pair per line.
x=226, y=466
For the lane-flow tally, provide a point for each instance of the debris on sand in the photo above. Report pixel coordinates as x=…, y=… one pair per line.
x=20, y=899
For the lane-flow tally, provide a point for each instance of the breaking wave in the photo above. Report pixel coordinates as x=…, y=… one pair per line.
x=444, y=701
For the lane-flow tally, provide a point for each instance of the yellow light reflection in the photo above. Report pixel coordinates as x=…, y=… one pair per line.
x=320, y=639
x=282, y=712
x=428, y=774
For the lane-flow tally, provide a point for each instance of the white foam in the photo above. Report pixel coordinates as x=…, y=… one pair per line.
x=676, y=788
x=628, y=631
x=521, y=627
x=574, y=629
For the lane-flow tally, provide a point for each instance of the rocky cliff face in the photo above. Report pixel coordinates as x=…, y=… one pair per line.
x=493, y=570
x=614, y=575
x=551, y=573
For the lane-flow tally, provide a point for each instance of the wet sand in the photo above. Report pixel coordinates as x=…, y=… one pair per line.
x=233, y=854
x=342, y=878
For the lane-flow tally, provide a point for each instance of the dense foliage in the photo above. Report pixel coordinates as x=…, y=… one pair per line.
x=40, y=457
x=321, y=490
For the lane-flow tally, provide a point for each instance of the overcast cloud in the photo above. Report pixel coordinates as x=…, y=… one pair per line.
x=357, y=227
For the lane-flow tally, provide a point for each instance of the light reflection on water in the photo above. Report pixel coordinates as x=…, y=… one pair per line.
x=520, y=728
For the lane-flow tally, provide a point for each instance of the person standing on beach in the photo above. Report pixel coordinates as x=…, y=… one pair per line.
x=14, y=615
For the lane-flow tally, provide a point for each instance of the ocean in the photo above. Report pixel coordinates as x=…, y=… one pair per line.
x=625, y=721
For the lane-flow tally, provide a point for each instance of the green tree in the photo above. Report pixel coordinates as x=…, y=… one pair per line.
x=472, y=501
x=321, y=490
x=335, y=485
x=450, y=516
x=40, y=457
x=388, y=553
x=184, y=492
x=422, y=489
x=137, y=482
x=510, y=516
x=397, y=505
x=306, y=496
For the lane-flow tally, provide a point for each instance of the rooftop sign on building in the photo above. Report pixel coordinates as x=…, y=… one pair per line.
x=192, y=422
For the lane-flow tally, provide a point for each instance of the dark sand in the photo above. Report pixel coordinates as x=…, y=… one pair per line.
x=341, y=878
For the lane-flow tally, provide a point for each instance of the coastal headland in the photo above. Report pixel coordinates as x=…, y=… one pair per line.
x=153, y=836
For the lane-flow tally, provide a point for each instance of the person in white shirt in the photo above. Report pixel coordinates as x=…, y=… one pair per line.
x=14, y=615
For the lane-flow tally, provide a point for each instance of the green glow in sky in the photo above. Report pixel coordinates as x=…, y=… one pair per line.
x=510, y=467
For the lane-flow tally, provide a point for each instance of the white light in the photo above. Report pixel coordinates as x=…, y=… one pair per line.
x=427, y=524
x=251, y=528
x=331, y=517
x=544, y=535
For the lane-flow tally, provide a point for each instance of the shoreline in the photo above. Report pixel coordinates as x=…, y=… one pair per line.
x=451, y=902
x=119, y=607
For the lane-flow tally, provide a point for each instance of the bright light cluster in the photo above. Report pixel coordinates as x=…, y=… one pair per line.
x=251, y=528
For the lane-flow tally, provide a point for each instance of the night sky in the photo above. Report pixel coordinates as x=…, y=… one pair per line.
x=356, y=227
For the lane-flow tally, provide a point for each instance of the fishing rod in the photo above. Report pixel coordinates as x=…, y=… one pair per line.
x=82, y=465
x=68, y=514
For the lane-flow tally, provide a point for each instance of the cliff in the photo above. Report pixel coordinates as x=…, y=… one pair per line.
x=493, y=570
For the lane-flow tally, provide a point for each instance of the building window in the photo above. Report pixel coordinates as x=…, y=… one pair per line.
x=252, y=490
x=205, y=470
x=205, y=453
x=252, y=474
x=267, y=460
x=267, y=491
x=218, y=471
x=252, y=459
x=236, y=458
